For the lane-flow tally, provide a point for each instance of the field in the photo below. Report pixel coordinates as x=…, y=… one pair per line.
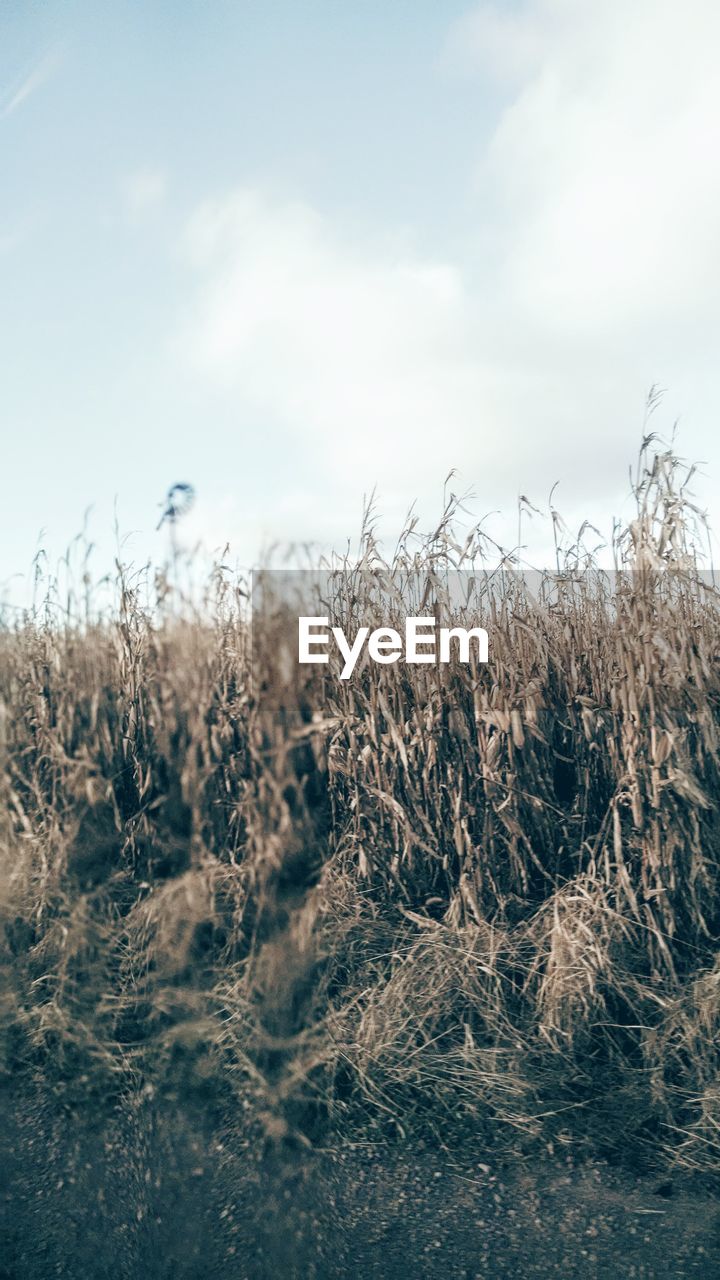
x=387, y=909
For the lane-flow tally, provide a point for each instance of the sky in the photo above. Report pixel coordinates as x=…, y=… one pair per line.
x=291, y=253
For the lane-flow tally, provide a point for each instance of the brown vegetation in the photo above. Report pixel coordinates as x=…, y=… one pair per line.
x=487, y=899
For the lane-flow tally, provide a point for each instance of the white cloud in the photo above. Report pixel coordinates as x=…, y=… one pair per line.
x=143, y=192
x=16, y=95
x=361, y=351
x=593, y=271
x=505, y=44
x=602, y=166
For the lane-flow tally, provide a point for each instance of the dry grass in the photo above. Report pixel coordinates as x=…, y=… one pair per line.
x=484, y=900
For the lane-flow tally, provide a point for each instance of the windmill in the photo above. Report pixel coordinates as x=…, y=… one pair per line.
x=178, y=501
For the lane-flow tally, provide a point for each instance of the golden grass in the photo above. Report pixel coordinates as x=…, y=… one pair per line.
x=483, y=900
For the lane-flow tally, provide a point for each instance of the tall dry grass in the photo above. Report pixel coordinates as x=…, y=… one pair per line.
x=485, y=899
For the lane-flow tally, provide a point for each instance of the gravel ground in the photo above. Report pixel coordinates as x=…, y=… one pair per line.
x=152, y=1192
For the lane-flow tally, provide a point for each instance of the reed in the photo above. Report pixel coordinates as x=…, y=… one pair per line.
x=481, y=899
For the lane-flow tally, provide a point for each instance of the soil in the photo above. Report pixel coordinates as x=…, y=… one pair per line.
x=150, y=1191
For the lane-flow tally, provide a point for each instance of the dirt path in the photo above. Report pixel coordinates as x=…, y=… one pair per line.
x=148, y=1193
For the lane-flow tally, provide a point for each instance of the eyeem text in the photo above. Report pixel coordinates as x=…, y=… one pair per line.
x=423, y=641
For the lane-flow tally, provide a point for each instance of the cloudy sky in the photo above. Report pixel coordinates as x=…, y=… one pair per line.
x=288, y=252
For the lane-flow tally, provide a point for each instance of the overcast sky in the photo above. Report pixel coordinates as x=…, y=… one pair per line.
x=290, y=251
